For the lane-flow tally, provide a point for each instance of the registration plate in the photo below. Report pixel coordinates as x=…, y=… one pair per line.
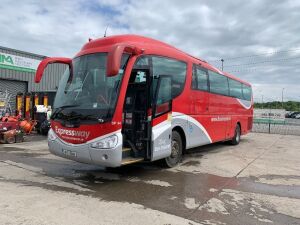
x=69, y=153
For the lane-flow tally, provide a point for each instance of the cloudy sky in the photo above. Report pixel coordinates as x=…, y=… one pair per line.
x=259, y=40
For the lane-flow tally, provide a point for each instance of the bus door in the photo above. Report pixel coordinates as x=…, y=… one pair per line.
x=161, y=117
x=136, y=126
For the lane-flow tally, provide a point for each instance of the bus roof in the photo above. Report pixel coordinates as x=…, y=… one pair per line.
x=151, y=46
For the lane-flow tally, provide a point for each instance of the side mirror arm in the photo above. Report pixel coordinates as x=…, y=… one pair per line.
x=44, y=63
x=115, y=56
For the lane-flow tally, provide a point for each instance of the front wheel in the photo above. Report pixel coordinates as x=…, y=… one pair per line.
x=237, y=136
x=176, y=151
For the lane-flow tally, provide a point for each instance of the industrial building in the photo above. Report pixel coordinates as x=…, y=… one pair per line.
x=17, y=72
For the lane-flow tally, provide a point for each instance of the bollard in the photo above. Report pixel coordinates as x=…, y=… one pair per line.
x=19, y=104
x=45, y=100
x=27, y=106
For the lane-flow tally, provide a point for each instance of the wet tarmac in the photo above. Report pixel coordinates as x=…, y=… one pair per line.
x=217, y=184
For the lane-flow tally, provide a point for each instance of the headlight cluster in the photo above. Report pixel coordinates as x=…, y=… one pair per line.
x=106, y=143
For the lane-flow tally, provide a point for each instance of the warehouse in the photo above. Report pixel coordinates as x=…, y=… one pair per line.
x=17, y=71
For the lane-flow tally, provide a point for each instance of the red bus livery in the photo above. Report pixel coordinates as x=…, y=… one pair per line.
x=128, y=98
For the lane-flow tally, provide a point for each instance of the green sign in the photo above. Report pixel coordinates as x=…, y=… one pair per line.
x=18, y=63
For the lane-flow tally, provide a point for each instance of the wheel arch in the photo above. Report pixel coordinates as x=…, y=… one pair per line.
x=182, y=135
x=239, y=123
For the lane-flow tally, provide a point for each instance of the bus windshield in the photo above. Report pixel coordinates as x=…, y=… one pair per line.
x=86, y=92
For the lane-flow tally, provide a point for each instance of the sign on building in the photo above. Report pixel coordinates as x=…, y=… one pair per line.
x=19, y=63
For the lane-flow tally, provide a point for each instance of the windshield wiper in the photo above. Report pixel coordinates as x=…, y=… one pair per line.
x=85, y=117
x=59, y=109
x=92, y=117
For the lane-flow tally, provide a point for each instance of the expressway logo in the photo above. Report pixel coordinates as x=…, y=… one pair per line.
x=72, y=133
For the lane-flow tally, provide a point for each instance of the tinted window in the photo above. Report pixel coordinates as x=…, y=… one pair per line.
x=247, y=92
x=142, y=61
x=164, y=92
x=174, y=68
x=200, y=79
x=218, y=83
x=235, y=88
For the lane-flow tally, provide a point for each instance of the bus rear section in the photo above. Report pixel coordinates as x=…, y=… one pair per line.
x=221, y=103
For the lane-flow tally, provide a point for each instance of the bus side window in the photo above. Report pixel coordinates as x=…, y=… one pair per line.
x=194, y=79
x=175, y=68
x=201, y=79
x=235, y=88
x=218, y=83
x=247, y=92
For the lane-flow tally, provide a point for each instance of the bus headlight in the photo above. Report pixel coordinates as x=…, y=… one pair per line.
x=51, y=135
x=106, y=143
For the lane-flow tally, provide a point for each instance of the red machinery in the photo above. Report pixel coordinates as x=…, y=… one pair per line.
x=27, y=125
x=10, y=130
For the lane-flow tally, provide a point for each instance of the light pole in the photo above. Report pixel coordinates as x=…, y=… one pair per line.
x=282, y=97
x=262, y=101
x=222, y=60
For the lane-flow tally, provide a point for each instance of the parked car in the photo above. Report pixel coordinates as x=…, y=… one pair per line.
x=297, y=116
x=293, y=115
x=288, y=115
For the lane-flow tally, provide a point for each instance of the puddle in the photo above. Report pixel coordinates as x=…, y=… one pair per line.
x=191, y=163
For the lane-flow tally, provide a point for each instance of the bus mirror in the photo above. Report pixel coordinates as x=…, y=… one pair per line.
x=115, y=56
x=44, y=63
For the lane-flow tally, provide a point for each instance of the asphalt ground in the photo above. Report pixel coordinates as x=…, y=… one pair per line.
x=256, y=182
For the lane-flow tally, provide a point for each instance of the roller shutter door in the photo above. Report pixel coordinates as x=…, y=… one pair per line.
x=13, y=87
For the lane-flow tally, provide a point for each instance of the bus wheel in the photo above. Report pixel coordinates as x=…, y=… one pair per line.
x=237, y=135
x=176, y=152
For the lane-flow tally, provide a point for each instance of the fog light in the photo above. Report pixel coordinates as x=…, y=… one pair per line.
x=104, y=157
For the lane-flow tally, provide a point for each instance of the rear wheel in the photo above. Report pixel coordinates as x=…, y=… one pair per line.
x=237, y=136
x=176, y=152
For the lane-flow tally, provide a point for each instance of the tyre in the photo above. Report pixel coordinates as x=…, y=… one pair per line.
x=237, y=136
x=176, y=152
x=11, y=140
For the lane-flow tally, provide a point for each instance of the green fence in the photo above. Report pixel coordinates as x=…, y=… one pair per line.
x=287, y=127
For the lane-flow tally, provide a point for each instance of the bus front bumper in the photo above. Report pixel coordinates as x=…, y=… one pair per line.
x=85, y=153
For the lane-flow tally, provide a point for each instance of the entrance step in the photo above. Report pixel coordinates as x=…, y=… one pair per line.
x=130, y=160
x=126, y=152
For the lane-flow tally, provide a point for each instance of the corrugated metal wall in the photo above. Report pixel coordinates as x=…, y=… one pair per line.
x=49, y=81
x=14, y=87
